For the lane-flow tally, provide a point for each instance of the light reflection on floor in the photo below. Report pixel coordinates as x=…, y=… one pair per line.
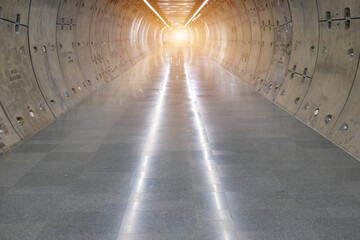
x=177, y=148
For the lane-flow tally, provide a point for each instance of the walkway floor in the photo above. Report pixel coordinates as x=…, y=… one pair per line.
x=178, y=149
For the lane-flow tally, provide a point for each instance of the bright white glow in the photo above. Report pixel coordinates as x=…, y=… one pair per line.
x=212, y=173
x=191, y=40
x=180, y=35
x=161, y=33
x=202, y=134
x=149, y=147
x=149, y=5
x=201, y=7
x=196, y=17
x=139, y=24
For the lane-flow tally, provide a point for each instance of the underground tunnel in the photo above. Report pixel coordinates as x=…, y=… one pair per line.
x=179, y=119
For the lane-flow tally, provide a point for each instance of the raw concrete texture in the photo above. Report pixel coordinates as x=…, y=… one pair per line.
x=301, y=54
x=55, y=53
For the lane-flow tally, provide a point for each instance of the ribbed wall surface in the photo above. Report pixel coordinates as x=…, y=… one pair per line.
x=300, y=54
x=55, y=53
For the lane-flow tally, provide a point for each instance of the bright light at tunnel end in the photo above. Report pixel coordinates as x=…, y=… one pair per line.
x=157, y=14
x=195, y=14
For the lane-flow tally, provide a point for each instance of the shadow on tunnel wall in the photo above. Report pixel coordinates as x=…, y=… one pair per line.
x=301, y=54
x=54, y=53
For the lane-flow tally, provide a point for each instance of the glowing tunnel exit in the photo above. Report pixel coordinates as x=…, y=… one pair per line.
x=176, y=37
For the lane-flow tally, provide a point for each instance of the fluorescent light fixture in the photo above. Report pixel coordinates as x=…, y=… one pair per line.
x=149, y=5
x=201, y=7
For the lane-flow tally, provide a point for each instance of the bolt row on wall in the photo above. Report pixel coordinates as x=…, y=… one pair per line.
x=300, y=54
x=54, y=53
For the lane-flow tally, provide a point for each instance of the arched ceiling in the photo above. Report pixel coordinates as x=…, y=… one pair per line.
x=176, y=12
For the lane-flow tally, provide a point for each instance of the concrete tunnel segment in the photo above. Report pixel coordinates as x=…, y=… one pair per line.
x=300, y=54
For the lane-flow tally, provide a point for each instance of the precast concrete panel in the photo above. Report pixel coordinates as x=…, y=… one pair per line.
x=280, y=61
x=103, y=39
x=254, y=43
x=242, y=33
x=302, y=54
x=8, y=135
x=266, y=53
x=95, y=41
x=333, y=77
x=45, y=60
x=281, y=12
x=305, y=41
x=16, y=11
x=113, y=41
x=68, y=61
x=292, y=92
x=346, y=131
x=68, y=12
x=20, y=95
x=330, y=10
x=266, y=44
x=47, y=63
x=87, y=65
x=305, y=36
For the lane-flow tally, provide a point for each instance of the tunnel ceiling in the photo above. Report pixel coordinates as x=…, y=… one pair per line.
x=175, y=11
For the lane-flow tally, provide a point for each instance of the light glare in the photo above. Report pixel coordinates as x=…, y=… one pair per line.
x=201, y=7
x=149, y=5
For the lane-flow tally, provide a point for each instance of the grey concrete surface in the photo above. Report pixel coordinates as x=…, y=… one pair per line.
x=177, y=148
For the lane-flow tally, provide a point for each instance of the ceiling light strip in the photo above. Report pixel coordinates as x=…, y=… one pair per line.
x=149, y=5
x=201, y=7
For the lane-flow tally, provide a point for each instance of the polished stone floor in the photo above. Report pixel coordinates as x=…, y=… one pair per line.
x=175, y=149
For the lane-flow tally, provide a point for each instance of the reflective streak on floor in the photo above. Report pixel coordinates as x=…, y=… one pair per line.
x=178, y=149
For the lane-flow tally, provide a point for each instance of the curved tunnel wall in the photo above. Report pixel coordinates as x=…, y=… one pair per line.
x=301, y=54
x=54, y=53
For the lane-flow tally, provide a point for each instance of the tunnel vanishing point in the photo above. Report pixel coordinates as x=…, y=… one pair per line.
x=179, y=119
x=300, y=54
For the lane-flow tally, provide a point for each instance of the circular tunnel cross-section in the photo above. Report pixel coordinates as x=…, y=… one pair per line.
x=55, y=53
x=179, y=119
x=302, y=55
